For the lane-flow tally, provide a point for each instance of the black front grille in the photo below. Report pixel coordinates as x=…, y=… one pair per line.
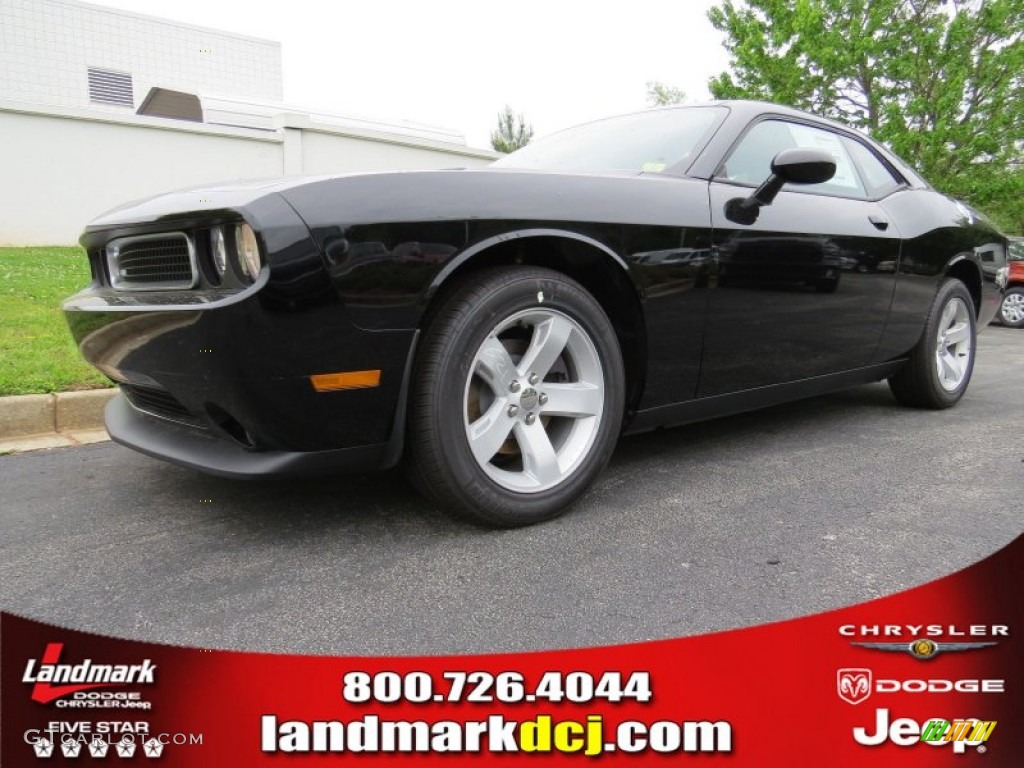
x=151, y=262
x=158, y=402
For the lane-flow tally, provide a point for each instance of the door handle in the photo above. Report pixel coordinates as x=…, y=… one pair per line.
x=880, y=222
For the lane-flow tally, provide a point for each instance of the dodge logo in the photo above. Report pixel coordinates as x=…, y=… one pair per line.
x=853, y=685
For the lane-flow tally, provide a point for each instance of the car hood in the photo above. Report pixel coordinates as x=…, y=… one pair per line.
x=466, y=185
x=209, y=197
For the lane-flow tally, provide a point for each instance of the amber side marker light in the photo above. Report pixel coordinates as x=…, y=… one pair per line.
x=328, y=382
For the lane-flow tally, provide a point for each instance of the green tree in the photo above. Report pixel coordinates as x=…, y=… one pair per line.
x=940, y=81
x=512, y=133
x=660, y=95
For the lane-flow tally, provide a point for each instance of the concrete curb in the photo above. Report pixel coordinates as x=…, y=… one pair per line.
x=31, y=422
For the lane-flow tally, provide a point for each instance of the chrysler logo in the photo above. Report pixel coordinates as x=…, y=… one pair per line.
x=853, y=685
x=923, y=648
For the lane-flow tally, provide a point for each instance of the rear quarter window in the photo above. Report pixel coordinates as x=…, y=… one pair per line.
x=878, y=178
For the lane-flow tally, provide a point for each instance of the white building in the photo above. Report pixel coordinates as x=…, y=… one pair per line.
x=69, y=54
x=99, y=106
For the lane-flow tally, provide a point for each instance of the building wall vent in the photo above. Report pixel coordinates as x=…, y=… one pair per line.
x=108, y=87
x=163, y=102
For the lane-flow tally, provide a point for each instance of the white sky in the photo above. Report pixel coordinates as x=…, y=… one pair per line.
x=456, y=63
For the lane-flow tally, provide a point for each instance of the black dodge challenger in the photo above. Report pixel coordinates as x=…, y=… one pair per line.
x=496, y=330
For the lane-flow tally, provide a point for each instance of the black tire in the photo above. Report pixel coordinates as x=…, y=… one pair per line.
x=919, y=383
x=460, y=377
x=1014, y=296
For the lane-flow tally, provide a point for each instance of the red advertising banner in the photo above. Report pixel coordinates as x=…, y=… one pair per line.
x=928, y=677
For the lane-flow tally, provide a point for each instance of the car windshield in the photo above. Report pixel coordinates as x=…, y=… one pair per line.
x=651, y=141
x=1016, y=250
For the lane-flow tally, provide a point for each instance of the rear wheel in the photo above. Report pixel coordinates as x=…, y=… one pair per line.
x=940, y=366
x=518, y=397
x=1011, y=311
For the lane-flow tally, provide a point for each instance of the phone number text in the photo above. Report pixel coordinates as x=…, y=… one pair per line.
x=386, y=687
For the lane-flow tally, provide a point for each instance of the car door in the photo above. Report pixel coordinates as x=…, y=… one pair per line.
x=805, y=290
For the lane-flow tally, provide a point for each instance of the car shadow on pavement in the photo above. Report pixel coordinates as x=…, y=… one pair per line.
x=372, y=503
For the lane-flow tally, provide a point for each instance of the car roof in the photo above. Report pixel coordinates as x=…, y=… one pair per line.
x=749, y=108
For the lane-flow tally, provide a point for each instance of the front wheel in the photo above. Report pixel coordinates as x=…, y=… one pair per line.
x=1011, y=311
x=518, y=397
x=940, y=366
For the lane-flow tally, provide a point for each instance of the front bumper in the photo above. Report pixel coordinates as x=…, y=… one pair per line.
x=203, y=450
x=241, y=370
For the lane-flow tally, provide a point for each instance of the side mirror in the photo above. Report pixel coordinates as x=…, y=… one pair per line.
x=790, y=166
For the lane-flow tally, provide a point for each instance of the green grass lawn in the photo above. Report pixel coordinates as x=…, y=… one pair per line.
x=37, y=353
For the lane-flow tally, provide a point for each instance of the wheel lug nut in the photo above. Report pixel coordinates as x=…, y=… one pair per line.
x=513, y=410
x=543, y=399
x=534, y=378
x=514, y=386
x=531, y=417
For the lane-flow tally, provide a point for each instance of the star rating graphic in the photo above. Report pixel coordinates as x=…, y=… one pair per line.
x=125, y=748
x=98, y=747
x=71, y=748
x=153, y=748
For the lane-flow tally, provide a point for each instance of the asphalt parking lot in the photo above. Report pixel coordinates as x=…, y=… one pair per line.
x=766, y=516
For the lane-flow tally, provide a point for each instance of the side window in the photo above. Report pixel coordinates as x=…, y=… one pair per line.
x=878, y=178
x=750, y=162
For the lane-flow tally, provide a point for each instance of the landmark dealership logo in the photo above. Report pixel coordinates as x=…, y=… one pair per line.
x=52, y=680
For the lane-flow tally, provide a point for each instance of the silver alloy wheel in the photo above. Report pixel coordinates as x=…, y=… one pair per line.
x=1012, y=309
x=533, y=400
x=953, y=345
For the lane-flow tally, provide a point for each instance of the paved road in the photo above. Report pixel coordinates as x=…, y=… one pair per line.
x=789, y=511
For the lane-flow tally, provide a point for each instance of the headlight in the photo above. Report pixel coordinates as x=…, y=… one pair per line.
x=220, y=251
x=248, y=251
